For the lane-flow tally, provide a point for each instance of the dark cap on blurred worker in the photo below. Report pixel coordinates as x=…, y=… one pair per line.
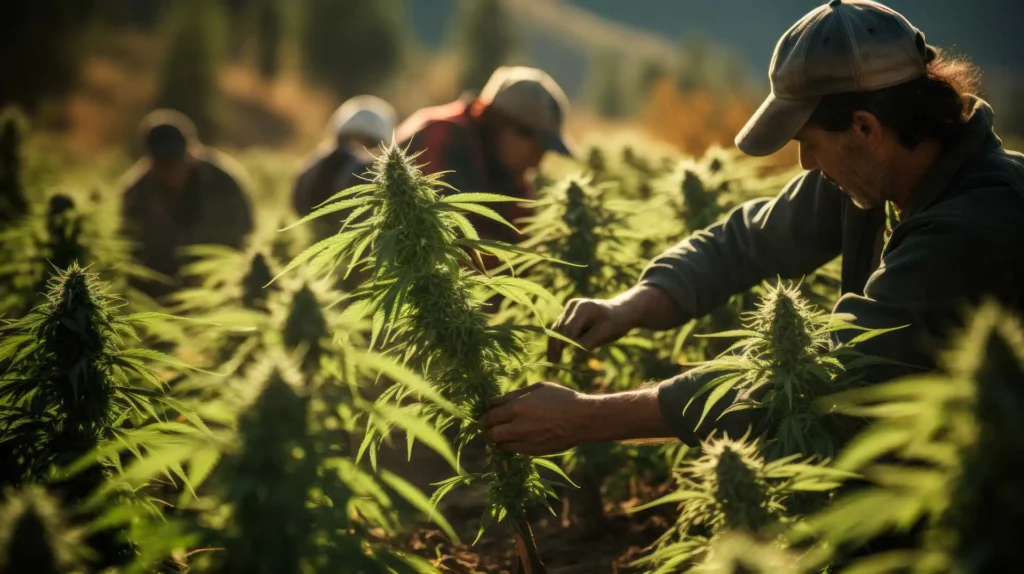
x=841, y=47
x=531, y=98
x=167, y=134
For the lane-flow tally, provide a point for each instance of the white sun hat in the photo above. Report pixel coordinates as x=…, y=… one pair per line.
x=364, y=116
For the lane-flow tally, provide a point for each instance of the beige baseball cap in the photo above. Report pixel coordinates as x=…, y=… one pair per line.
x=840, y=47
x=532, y=98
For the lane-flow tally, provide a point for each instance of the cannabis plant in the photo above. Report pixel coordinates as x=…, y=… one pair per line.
x=420, y=253
x=731, y=490
x=576, y=222
x=70, y=379
x=76, y=403
x=35, y=536
x=286, y=497
x=943, y=455
x=54, y=235
x=785, y=361
x=228, y=300
x=740, y=553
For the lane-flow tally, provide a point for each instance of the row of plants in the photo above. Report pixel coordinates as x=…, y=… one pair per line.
x=239, y=425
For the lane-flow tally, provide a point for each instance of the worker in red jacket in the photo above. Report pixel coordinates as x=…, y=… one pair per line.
x=491, y=141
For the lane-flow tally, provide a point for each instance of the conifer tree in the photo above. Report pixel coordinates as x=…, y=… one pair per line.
x=269, y=37
x=194, y=48
x=607, y=85
x=353, y=46
x=485, y=40
x=12, y=194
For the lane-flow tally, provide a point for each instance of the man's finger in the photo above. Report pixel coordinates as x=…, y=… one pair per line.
x=564, y=316
x=497, y=416
x=500, y=400
x=519, y=447
x=555, y=346
x=502, y=433
x=595, y=337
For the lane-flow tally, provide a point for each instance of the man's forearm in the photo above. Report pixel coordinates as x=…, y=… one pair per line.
x=624, y=416
x=649, y=306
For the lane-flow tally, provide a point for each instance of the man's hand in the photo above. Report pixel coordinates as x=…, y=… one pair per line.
x=590, y=323
x=595, y=322
x=541, y=419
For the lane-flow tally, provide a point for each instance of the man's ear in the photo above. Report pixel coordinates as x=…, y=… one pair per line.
x=866, y=125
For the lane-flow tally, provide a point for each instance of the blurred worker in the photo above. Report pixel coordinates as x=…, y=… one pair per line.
x=882, y=119
x=359, y=125
x=491, y=141
x=181, y=193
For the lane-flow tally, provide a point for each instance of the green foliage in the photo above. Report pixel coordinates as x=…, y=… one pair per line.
x=784, y=362
x=607, y=86
x=730, y=488
x=943, y=456
x=306, y=326
x=270, y=480
x=12, y=195
x=35, y=536
x=353, y=46
x=194, y=36
x=254, y=292
x=419, y=249
x=70, y=380
x=269, y=37
x=485, y=40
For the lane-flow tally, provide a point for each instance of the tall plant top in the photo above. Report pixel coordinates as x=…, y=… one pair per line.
x=419, y=253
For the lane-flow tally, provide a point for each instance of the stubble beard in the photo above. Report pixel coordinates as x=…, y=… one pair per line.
x=866, y=178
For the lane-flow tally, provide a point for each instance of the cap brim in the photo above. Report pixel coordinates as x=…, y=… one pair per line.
x=557, y=143
x=774, y=124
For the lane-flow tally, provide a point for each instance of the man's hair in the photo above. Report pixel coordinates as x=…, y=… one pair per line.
x=934, y=106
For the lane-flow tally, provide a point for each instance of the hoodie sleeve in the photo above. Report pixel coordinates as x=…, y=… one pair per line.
x=788, y=236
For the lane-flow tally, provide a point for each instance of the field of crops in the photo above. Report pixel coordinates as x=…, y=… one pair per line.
x=310, y=406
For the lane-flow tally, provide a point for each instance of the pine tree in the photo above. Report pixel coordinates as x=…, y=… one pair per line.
x=194, y=38
x=12, y=195
x=607, y=86
x=352, y=46
x=485, y=40
x=269, y=36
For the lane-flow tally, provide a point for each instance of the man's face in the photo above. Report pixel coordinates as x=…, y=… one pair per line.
x=854, y=160
x=171, y=173
x=518, y=150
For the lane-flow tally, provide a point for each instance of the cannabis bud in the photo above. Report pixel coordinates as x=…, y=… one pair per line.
x=785, y=319
x=596, y=161
x=64, y=228
x=305, y=325
x=254, y=295
x=738, y=484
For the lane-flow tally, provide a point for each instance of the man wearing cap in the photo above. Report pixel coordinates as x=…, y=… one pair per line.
x=491, y=141
x=881, y=119
x=181, y=193
x=358, y=126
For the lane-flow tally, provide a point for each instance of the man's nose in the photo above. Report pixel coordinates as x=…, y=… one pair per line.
x=807, y=160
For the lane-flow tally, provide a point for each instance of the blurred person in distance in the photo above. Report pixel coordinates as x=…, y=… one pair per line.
x=181, y=193
x=491, y=140
x=359, y=125
x=891, y=134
